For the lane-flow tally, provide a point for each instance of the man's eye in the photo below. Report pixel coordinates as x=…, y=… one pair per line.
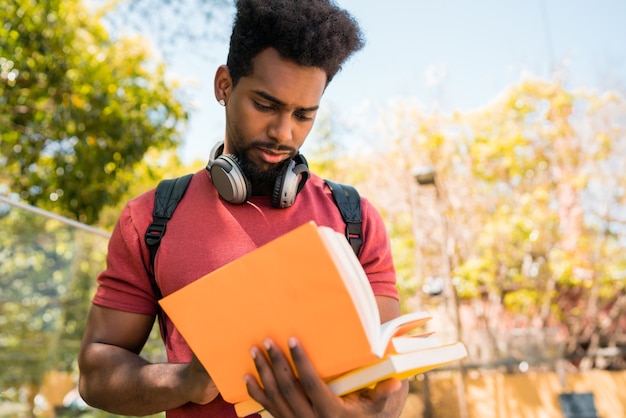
x=303, y=117
x=263, y=107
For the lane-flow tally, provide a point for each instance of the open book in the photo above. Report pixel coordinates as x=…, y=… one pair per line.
x=308, y=284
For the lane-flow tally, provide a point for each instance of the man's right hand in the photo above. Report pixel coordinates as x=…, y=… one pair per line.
x=201, y=388
x=113, y=376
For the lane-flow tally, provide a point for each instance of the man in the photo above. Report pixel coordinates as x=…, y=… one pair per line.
x=283, y=54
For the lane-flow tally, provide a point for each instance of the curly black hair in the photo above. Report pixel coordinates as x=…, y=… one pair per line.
x=312, y=33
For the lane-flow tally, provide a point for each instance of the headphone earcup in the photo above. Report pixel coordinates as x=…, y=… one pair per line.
x=228, y=178
x=234, y=187
x=289, y=183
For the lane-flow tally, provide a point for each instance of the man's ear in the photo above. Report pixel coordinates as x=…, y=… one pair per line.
x=223, y=84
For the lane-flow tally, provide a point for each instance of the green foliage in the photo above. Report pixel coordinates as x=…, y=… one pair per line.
x=534, y=156
x=46, y=273
x=78, y=111
x=84, y=121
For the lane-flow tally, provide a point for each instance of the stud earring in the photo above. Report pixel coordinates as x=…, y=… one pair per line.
x=222, y=102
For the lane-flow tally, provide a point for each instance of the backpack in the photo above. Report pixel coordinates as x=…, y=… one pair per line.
x=170, y=191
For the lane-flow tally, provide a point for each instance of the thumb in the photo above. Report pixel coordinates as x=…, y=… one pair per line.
x=388, y=386
x=382, y=390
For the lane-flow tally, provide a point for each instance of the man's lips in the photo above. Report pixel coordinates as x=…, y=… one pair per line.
x=271, y=156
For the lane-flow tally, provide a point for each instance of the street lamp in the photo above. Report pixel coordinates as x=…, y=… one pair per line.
x=427, y=176
x=424, y=176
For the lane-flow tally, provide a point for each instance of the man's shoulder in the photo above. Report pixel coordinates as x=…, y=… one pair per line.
x=146, y=199
x=319, y=184
x=315, y=181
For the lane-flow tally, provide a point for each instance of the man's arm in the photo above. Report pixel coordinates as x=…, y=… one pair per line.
x=283, y=395
x=113, y=376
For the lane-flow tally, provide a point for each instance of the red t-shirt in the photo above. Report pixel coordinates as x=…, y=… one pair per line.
x=207, y=232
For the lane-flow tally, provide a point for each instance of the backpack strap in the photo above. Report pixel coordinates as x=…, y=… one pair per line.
x=168, y=193
x=349, y=203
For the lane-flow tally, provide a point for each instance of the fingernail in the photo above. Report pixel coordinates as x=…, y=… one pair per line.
x=293, y=342
x=267, y=344
x=253, y=353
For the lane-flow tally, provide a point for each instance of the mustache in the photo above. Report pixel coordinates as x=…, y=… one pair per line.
x=272, y=146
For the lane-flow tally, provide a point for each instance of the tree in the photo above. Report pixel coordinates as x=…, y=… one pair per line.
x=527, y=216
x=550, y=154
x=78, y=110
x=534, y=201
x=46, y=272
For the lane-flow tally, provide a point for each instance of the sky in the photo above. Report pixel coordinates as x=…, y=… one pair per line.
x=450, y=55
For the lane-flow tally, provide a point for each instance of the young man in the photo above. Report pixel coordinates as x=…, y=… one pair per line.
x=283, y=54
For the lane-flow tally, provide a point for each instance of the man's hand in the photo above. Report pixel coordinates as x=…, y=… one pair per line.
x=200, y=386
x=114, y=377
x=284, y=395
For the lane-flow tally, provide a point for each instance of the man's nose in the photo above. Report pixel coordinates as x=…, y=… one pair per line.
x=281, y=128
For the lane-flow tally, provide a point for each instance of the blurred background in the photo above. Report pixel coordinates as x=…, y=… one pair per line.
x=491, y=135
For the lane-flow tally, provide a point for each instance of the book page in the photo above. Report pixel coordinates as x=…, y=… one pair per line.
x=359, y=287
x=399, y=366
x=356, y=281
x=406, y=344
x=399, y=326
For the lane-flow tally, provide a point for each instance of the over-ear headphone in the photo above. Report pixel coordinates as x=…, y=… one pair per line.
x=233, y=186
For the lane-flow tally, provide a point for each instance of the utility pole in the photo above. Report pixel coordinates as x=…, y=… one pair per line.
x=428, y=177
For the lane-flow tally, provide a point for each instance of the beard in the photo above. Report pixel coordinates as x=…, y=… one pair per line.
x=261, y=179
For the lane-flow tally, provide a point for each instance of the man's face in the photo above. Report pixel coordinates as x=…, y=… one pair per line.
x=270, y=113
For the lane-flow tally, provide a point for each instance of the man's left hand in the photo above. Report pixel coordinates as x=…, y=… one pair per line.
x=284, y=395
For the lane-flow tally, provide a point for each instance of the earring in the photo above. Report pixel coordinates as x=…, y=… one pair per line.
x=222, y=102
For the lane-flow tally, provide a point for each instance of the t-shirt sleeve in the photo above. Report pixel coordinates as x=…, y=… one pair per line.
x=375, y=255
x=125, y=284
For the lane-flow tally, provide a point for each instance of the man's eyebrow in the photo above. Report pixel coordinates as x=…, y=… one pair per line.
x=278, y=102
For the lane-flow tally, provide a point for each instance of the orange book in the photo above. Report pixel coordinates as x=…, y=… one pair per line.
x=307, y=284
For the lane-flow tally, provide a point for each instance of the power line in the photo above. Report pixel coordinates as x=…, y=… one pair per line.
x=54, y=216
